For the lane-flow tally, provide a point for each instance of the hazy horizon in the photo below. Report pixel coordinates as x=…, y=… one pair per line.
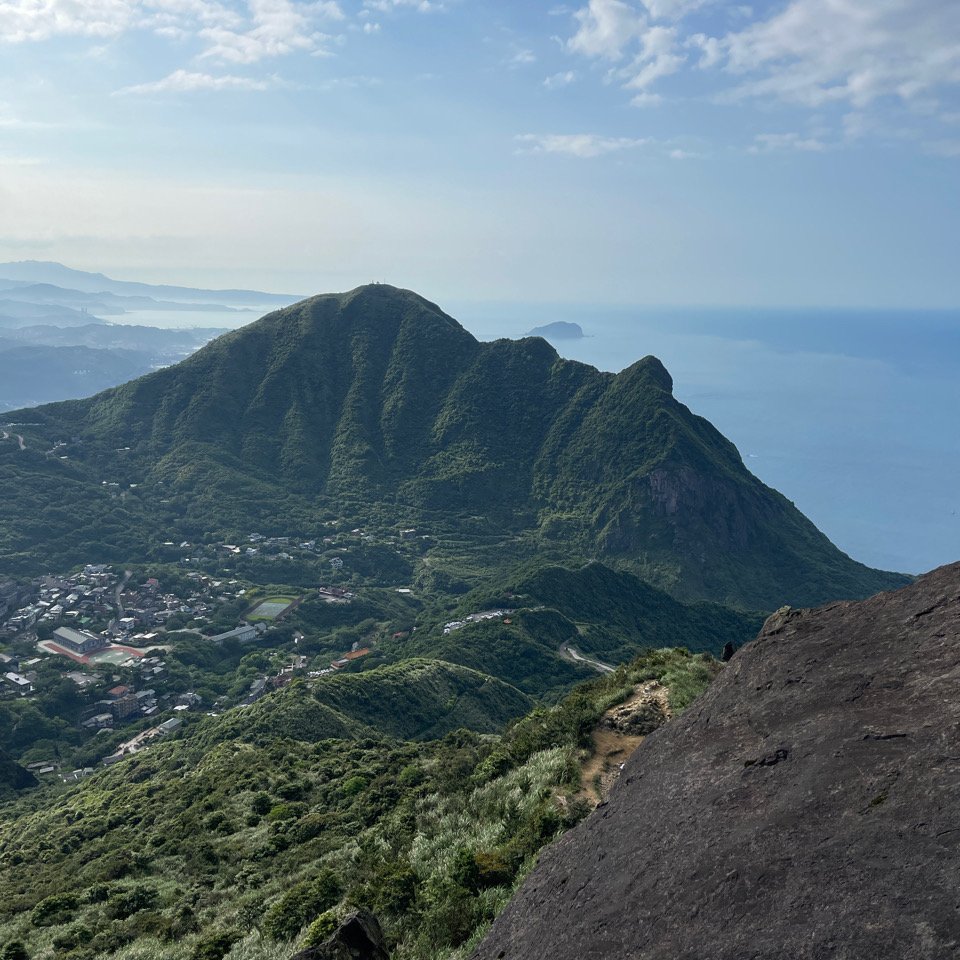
x=792, y=152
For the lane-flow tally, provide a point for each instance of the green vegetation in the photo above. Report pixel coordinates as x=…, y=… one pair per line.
x=415, y=699
x=607, y=614
x=375, y=408
x=245, y=846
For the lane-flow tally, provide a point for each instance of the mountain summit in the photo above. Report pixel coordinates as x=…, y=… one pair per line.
x=375, y=399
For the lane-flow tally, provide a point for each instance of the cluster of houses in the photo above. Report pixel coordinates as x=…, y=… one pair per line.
x=79, y=600
x=334, y=594
x=99, y=600
x=122, y=704
x=477, y=618
x=18, y=675
x=264, y=685
x=298, y=665
x=142, y=739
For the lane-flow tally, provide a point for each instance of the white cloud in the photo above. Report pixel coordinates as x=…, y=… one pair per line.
x=613, y=29
x=260, y=29
x=658, y=57
x=371, y=27
x=671, y=9
x=815, y=52
x=870, y=57
x=37, y=20
x=421, y=6
x=278, y=27
x=12, y=121
x=943, y=148
x=522, y=58
x=582, y=145
x=24, y=20
x=711, y=50
x=558, y=80
x=606, y=29
x=11, y=160
x=766, y=142
x=183, y=81
x=348, y=83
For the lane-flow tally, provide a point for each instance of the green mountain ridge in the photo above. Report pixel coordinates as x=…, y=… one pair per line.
x=417, y=699
x=376, y=401
x=605, y=614
x=235, y=835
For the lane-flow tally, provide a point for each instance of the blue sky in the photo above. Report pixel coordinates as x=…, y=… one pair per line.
x=666, y=152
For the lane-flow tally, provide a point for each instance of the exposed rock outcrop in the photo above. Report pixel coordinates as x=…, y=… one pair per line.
x=359, y=937
x=647, y=710
x=807, y=806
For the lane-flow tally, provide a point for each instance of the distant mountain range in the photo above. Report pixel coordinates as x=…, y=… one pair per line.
x=27, y=273
x=42, y=364
x=375, y=402
x=74, y=351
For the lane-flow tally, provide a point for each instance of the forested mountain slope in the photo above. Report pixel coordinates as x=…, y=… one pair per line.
x=375, y=400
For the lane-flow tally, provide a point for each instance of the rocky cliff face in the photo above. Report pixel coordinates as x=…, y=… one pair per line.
x=807, y=806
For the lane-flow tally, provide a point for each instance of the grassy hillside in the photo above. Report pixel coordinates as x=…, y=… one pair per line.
x=412, y=700
x=603, y=613
x=375, y=405
x=218, y=845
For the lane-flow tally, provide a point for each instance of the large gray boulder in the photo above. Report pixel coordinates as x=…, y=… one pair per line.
x=807, y=806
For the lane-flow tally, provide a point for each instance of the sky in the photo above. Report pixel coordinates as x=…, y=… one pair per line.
x=697, y=152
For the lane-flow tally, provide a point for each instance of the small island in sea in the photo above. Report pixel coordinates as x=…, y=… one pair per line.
x=559, y=330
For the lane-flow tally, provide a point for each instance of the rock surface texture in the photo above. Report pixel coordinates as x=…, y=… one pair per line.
x=359, y=937
x=807, y=806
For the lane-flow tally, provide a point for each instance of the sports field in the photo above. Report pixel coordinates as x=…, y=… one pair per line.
x=115, y=655
x=272, y=607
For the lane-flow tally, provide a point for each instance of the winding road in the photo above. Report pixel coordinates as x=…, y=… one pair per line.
x=568, y=651
x=6, y=436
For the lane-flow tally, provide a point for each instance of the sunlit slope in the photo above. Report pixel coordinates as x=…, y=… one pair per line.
x=375, y=397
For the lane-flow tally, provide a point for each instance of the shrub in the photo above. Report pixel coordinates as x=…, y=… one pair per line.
x=493, y=870
x=300, y=905
x=215, y=945
x=74, y=936
x=393, y=888
x=125, y=903
x=52, y=910
x=321, y=929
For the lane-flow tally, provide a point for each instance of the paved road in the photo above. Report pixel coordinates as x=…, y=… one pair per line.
x=6, y=436
x=570, y=652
